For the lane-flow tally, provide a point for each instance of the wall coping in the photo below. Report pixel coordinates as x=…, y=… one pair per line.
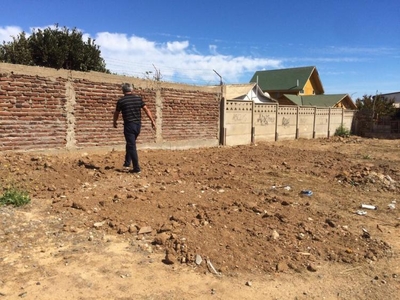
x=8, y=68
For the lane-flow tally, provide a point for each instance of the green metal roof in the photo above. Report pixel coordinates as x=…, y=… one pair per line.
x=316, y=100
x=293, y=79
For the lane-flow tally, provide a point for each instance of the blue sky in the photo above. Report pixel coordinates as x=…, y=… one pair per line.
x=354, y=44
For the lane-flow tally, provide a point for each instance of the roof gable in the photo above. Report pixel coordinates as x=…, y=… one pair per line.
x=292, y=79
x=247, y=91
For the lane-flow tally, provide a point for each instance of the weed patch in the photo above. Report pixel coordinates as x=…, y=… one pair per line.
x=14, y=196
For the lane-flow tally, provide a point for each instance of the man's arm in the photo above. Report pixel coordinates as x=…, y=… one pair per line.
x=115, y=119
x=150, y=116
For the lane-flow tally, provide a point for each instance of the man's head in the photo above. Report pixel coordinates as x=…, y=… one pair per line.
x=127, y=88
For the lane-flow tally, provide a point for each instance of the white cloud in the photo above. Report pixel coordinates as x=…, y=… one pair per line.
x=177, y=46
x=6, y=33
x=176, y=60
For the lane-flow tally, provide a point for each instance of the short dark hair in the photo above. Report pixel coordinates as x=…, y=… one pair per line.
x=127, y=87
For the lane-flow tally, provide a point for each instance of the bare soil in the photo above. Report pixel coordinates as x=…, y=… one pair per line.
x=215, y=223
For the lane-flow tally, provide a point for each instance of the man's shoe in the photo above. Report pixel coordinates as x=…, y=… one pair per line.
x=135, y=171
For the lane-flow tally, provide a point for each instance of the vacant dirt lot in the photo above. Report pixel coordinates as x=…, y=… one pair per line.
x=216, y=223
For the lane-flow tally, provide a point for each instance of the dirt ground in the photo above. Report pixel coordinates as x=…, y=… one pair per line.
x=214, y=223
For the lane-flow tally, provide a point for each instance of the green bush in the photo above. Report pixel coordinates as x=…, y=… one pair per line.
x=342, y=131
x=14, y=196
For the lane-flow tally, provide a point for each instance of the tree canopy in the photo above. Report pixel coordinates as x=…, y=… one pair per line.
x=376, y=106
x=59, y=48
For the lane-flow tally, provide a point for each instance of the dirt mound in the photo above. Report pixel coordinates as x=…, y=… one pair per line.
x=284, y=207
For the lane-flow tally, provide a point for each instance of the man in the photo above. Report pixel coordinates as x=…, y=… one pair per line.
x=131, y=105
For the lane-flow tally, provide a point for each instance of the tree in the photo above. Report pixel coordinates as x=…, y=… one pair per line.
x=59, y=48
x=17, y=51
x=375, y=107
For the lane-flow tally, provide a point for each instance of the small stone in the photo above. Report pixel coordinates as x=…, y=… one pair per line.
x=51, y=188
x=198, y=259
x=330, y=223
x=282, y=266
x=162, y=238
x=97, y=225
x=169, y=259
x=145, y=229
x=132, y=228
x=275, y=235
x=311, y=268
x=248, y=283
x=77, y=205
x=301, y=236
x=122, y=229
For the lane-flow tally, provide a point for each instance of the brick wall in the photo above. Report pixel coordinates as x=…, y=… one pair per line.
x=44, y=108
x=190, y=115
x=32, y=112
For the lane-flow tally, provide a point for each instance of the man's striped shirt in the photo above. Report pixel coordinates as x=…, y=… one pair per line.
x=131, y=108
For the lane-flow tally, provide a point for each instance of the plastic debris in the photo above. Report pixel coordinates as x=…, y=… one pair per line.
x=307, y=193
x=366, y=234
x=368, y=206
x=211, y=268
x=392, y=205
x=361, y=212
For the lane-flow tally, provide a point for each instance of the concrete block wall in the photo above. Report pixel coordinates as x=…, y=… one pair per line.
x=43, y=108
x=238, y=122
x=287, y=122
x=247, y=122
x=265, y=122
x=305, y=123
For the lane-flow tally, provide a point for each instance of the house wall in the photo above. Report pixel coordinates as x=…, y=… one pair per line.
x=308, y=88
x=395, y=97
x=42, y=108
x=250, y=123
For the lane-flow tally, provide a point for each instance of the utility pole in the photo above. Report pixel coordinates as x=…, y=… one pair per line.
x=222, y=129
x=220, y=77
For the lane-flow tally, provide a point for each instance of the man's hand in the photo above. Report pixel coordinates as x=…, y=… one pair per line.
x=115, y=118
x=153, y=125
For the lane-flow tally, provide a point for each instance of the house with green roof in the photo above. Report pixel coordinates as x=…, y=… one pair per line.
x=299, y=86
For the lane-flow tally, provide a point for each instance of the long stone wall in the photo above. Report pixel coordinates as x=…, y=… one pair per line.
x=43, y=108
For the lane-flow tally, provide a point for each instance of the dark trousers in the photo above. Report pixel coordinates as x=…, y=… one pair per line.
x=131, y=132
